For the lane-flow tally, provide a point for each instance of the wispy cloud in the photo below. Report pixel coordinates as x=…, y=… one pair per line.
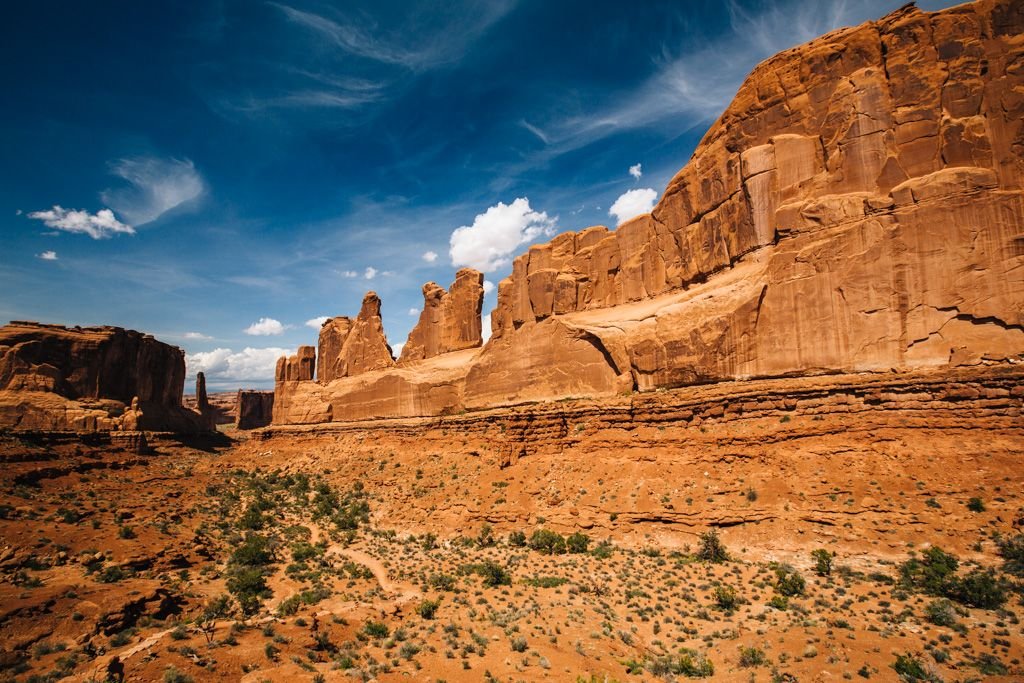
x=47, y=256
x=411, y=46
x=100, y=225
x=155, y=186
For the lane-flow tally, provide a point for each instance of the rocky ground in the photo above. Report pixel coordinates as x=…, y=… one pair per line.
x=774, y=544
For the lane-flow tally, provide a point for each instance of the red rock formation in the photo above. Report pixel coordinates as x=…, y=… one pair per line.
x=366, y=348
x=83, y=379
x=254, y=409
x=857, y=208
x=333, y=334
x=449, y=321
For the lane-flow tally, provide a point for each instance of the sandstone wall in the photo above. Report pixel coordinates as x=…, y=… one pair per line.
x=254, y=409
x=58, y=378
x=857, y=208
x=449, y=321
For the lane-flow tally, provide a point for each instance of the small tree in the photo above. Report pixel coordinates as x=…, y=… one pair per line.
x=789, y=583
x=547, y=542
x=577, y=543
x=711, y=548
x=822, y=561
x=215, y=609
x=517, y=539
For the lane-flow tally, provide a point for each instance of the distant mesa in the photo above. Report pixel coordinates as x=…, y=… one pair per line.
x=857, y=208
x=85, y=379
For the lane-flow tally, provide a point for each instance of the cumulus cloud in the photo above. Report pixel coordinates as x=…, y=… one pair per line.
x=48, y=256
x=486, y=327
x=316, y=323
x=99, y=225
x=396, y=349
x=633, y=203
x=495, y=234
x=414, y=311
x=488, y=286
x=370, y=273
x=636, y=170
x=265, y=327
x=196, y=336
x=430, y=256
x=155, y=186
x=225, y=365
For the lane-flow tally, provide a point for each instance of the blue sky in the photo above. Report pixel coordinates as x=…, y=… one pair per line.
x=222, y=174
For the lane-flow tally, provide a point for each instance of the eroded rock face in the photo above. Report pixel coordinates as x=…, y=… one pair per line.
x=857, y=208
x=254, y=408
x=449, y=321
x=84, y=379
x=366, y=348
x=333, y=334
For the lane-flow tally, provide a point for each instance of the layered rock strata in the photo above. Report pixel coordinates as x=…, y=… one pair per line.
x=857, y=208
x=56, y=378
x=254, y=409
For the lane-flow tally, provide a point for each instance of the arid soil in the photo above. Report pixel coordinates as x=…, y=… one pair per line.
x=410, y=549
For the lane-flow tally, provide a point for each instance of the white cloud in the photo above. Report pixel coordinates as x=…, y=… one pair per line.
x=196, y=336
x=265, y=327
x=370, y=273
x=495, y=234
x=414, y=311
x=349, y=274
x=633, y=203
x=488, y=286
x=156, y=187
x=388, y=273
x=225, y=365
x=430, y=256
x=396, y=349
x=636, y=170
x=486, y=327
x=48, y=256
x=317, y=323
x=99, y=225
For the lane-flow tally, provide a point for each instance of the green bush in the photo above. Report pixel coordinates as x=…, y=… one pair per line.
x=711, y=548
x=909, y=668
x=518, y=644
x=751, y=656
x=976, y=505
x=547, y=542
x=980, y=588
x=428, y=608
x=493, y=574
x=940, y=612
x=577, y=543
x=822, y=561
x=1012, y=552
x=726, y=597
x=249, y=587
x=517, y=539
x=376, y=629
x=933, y=573
x=789, y=582
x=687, y=663
x=172, y=675
x=255, y=551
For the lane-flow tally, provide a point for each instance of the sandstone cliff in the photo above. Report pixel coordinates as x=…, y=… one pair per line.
x=450, y=321
x=254, y=409
x=857, y=208
x=93, y=378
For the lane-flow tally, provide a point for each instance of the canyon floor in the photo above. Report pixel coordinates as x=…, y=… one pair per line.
x=771, y=531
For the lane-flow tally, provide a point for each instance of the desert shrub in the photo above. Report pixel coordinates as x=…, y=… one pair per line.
x=173, y=675
x=789, y=582
x=111, y=574
x=577, y=543
x=726, y=597
x=988, y=664
x=822, y=561
x=441, y=582
x=303, y=550
x=428, y=608
x=517, y=539
x=547, y=542
x=493, y=574
x=546, y=581
x=1012, y=552
x=980, y=588
x=252, y=519
x=933, y=573
x=255, y=551
x=376, y=629
x=249, y=586
x=687, y=663
x=711, y=548
x=518, y=644
x=751, y=656
x=940, y=612
x=126, y=532
x=910, y=669
x=485, y=538
x=603, y=550
x=976, y=505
